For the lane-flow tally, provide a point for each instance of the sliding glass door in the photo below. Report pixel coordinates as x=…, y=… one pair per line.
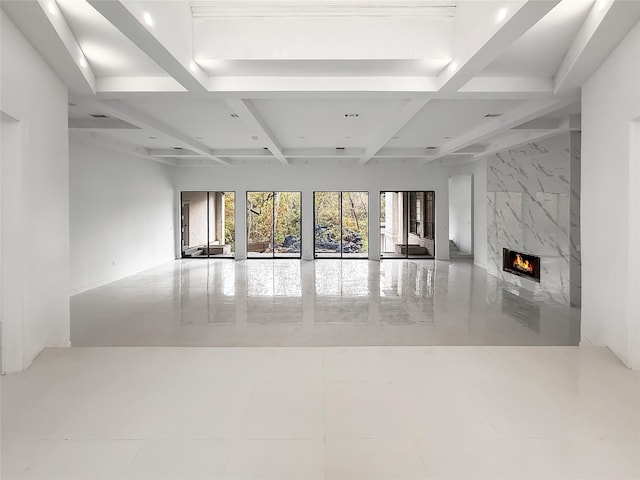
x=207, y=224
x=341, y=224
x=274, y=224
x=407, y=227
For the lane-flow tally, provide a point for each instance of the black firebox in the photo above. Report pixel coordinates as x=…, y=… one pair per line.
x=521, y=264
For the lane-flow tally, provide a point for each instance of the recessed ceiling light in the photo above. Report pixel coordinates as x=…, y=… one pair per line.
x=601, y=4
x=98, y=115
x=453, y=66
x=431, y=148
x=502, y=14
x=193, y=67
x=234, y=115
x=52, y=8
x=148, y=19
x=492, y=115
x=255, y=137
x=83, y=62
x=178, y=148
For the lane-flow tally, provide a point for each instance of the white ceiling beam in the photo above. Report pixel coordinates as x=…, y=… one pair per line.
x=47, y=29
x=106, y=85
x=121, y=110
x=461, y=70
x=315, y=84
x=390, y=127
x=517, y=137
x=606, y=24
x=540, y=124
x=104, y=140
x=517, y=116
x=470, y=150
x=171, y=153
x=191, y=77
x=257, y=125
x=516, y=88
x=399, y=152
x=242, y=153
x=497, y=87
x=443, y=9
x=100, y=124
x=347, y=152
x=472, y=59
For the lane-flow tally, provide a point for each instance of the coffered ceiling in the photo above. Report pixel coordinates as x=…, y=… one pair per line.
x=226, y=82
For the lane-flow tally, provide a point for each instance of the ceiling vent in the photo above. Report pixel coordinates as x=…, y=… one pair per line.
x=431, y=148
x=351, y=115
x=493, y=115
x=339, y=148
x=98, y=115
x=178, y=148
x=234, y=115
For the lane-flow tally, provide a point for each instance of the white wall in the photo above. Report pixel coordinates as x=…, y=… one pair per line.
x=122, y=213
x=461, y=212
x=35, y=203
x=478, y=170
x=610, y=104
x=319, y=177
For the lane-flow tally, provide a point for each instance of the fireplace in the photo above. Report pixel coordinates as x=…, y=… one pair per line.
x=521, y=264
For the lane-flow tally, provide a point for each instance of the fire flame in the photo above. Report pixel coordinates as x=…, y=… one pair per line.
x=524, y=265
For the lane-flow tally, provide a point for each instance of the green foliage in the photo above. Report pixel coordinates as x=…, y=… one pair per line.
x=351, y=215
x=264, y=209
x=229, y=220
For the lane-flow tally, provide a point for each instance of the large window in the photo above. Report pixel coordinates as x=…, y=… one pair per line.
x=341, y=224
x=407, y=224
x=207, y=224
x=274, y=224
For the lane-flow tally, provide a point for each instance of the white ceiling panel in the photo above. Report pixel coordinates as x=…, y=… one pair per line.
x=210, y=120
x=540, y=51
x=322, y=38
x=322, y=123
x=447, y=118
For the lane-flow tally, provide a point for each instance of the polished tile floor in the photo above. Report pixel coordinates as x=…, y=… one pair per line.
x=219, y=302
x=322, y=412
x=253, y=370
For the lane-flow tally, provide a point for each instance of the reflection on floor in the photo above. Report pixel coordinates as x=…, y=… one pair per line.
x=318, y=303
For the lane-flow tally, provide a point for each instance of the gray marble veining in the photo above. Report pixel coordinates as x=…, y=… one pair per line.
x=533, y=207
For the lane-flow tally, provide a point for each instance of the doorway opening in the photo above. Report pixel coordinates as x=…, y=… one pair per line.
x=341, y=224
x=207, y=224
x=274, y=224
x=461, y=217
x=407, y=224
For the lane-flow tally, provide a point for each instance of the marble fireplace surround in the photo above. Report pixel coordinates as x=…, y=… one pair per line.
x=530, y=209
